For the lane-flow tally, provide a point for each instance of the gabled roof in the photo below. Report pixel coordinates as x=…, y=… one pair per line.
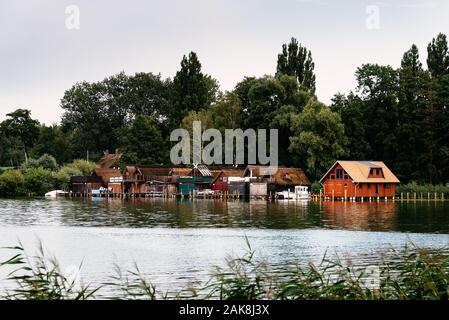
x=202, y=170
x=154, y=171
x=281, y=175
x=291, y=176
x=359, y=171
x=229, y=172
x=106, y=173
x=259, y=171
x=110, y=160
x=180, y=171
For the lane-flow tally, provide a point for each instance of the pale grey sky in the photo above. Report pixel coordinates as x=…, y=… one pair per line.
x=41, y=58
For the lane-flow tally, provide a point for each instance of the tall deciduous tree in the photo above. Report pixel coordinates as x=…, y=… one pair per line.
x=319, y=137
x=20, y=124
x=438, y=108
x=350, y=108
x=378, y=86
x=192, y=89
x=141, y=143
x=296, y=60
x=411, y=131
x=438, y=56
x=227, y=112
x=96, y=112
x=269, y=103
x=54, y=141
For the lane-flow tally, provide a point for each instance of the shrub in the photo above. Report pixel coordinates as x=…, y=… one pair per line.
x=423, y=189
x=38, y=181
x=316, y=187
x=30, y=164
x=12, y=183
x=47, y=161
x=62, y=177
x=84, y=166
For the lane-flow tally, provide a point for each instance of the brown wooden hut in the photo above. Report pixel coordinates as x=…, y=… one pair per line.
x=112, y=179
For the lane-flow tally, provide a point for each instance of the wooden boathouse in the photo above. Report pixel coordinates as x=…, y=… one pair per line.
x=359, y=180
x=229, y=181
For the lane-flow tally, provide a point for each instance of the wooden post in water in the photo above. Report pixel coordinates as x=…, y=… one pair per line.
x=435, y=196
x=402, y=196
x=345, y=195
x=414, y=196
x=333, y=194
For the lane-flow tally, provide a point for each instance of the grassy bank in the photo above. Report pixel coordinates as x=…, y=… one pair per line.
x=424, y=191
x=415, y=274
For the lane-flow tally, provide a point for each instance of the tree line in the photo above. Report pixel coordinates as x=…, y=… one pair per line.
x=399, y=116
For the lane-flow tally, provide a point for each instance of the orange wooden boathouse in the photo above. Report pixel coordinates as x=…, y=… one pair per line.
x=359, y=179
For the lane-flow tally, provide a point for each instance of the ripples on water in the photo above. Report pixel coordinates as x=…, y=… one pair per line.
x=176, y=243
x=429, y=217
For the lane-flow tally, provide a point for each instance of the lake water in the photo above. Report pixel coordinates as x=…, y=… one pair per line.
x=178, y=243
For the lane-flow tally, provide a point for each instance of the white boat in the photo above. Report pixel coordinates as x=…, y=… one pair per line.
x=56, y=193
x=300, y=193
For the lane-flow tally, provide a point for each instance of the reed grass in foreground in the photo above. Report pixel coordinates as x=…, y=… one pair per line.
x=415, y=273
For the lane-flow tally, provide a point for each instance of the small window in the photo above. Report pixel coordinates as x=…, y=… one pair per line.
x=339, y=174
x=332, y=176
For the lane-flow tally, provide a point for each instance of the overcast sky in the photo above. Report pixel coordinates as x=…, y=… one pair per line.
x=41, y=57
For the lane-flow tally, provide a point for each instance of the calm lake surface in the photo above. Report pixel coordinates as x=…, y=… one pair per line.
x=178, y=243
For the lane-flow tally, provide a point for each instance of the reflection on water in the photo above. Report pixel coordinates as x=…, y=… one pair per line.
x=430, y=217
x=176, y=243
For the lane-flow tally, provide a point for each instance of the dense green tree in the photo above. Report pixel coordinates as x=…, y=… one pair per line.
x=295, y=60
x=378, y=86
x=242, y=89
x=227, y=112
x=91, y=118
x=10, y=155
x=149, y=94
x=438, y=56
x=269, y=103
x=192, y=89
x=319, y=137
x=350, y=108
x=54, y=141
x=265, y=96
x=96, y=112
x=20, y=125
x=410, y=131
x=141, y=143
